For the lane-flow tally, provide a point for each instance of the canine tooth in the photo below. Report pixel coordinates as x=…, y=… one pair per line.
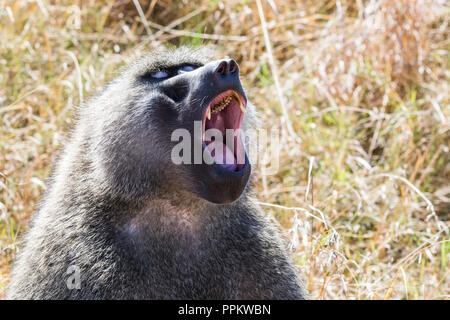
x=241, y=106
x=208, y=113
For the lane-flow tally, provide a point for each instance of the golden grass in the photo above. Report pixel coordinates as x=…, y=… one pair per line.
x=362, y=99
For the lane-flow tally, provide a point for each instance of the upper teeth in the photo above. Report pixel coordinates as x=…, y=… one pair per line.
x=220, y=106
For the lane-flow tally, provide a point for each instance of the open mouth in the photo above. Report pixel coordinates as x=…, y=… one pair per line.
x=221, y=130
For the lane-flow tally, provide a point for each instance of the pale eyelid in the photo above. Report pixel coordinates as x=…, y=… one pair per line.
x=187, y=69
x=159, y=74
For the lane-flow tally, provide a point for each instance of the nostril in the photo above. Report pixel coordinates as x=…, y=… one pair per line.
x=233, y=66
x=226, y=67
x=222, y=68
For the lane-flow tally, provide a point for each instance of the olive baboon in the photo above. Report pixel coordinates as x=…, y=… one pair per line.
x=121, y=220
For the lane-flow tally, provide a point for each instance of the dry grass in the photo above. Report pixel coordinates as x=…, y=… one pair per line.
x=363, y=186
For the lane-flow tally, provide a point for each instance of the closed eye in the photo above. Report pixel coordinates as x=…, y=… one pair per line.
x=159, y=74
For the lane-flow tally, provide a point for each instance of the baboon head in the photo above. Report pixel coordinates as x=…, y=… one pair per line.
x=144, y=116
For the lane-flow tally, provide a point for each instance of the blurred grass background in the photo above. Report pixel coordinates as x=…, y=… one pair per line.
x=360, y=90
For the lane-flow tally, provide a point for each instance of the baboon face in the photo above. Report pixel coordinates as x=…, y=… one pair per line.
x=202, y=98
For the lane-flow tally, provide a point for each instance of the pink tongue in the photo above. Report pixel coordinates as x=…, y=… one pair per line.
x=222, y=155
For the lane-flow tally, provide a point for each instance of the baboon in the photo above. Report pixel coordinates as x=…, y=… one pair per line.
x=121, y=220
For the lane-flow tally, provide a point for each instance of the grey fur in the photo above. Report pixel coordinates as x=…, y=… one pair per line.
x=129, y=222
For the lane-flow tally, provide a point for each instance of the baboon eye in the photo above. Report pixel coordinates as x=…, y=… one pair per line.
x=186, y=69
x=159, y=74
